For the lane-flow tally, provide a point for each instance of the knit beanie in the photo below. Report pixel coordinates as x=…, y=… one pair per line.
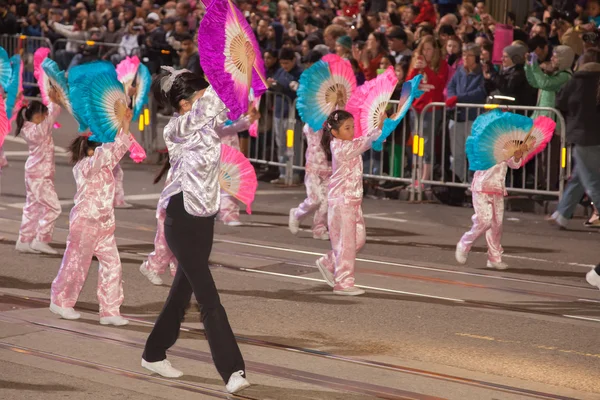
x=565, y=56
x=345, y=42
x=516, y=53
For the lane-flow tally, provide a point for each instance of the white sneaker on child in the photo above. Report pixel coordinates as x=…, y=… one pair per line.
x=293, y=223
x=351, y=291
x=25, y=248
x=322, y=236
x=64, y=312
x=593, y=278
x=237, y=382
x=151, y=275
x=496, y=265
x=42, y=247
x=162, y=368
x=461, y=256
x=328, y=276
x=115, y=320
x=234, y=223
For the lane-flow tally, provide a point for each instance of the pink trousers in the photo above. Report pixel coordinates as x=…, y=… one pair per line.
x=87, y=239
x=316, y=201
x=41, y=210
x=161, y=257
x=119, y=191
x=489, y=212
x=229, y=210
x=348, y=235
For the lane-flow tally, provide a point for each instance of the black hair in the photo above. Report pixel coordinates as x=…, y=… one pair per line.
x=184, y=36
x=117, y=23
x=391, y=59
x=184, y=87
x=287, y=54
x=312, y=57
x=313, y=40
x=273, y=53
x=380, y=37
x=79, y=148
x=512, y=16
x=165, y=168
x=537, y=42
x=27, y=112
x=334, y=121
x=447, y=30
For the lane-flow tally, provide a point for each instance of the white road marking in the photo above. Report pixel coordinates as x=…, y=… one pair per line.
x=360, y=286
x=583, y=318
x=386, y=218
x=10, y=154
x=410, y=266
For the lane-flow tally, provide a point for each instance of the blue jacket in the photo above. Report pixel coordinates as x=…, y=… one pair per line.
x=444, y=2
x=469, y=88
x=284, y=79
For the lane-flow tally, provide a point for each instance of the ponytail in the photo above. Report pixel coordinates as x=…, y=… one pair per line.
x=166, y=166
x=326, y=141
x=79, y=148
x=26, y=113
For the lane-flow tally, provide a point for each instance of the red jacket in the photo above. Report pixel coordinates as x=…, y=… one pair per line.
x=426, y=14
x=438, y=79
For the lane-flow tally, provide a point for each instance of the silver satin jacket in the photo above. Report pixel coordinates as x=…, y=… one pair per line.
x=195, y=152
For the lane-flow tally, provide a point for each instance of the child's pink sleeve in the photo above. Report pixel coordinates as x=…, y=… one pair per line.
x=514, y=164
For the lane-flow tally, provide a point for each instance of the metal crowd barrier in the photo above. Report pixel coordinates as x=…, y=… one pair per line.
x=543, y=175
x=25, y=46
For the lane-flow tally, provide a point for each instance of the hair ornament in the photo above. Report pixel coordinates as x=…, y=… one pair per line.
x=335, y=116
x=167, y=81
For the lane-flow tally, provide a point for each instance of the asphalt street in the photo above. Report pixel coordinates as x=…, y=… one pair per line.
x=426, y=329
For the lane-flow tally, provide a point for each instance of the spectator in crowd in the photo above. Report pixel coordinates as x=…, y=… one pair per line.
x=8, y=20
x=426, y=12
x=76, y=33
x=331, y=34
x=409, y=14
x=466, y=86
x=188, y=54
x=271, y=58
x=183, y=10
x=539, y=46
x=376, y=49
x=308, y=44
x=262, y=30
x=578, y=101
x=343, y=47
x=447, y=6
x=275, y=36
x=511, y=80
x=398, y=43
x=130, y=42
x=453, y=55
x=285, y=81
x=157, y=50
x=113, y=35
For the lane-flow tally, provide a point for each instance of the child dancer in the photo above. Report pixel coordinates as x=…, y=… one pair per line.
x=157, y=261
x=229, y=212
x=488, y=190
x=316, y=180
x=346, y=223
x=91, y=230
x=119, y=201
x=42, y=209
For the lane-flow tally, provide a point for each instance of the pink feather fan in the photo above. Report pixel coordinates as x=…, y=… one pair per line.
x=237, y=176
x=40, y=76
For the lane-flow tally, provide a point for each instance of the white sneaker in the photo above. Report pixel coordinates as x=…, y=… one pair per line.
x=293, y=223
x=237, y=382
x=322, y=236
x=461, y=256
x=42, y=247
x=115, y=320
x=593, y=278
x=25, y=248
x=234, y=223
x=64, y=312
x=151, y=275
x=351, y=291
x=327, y=275
x=162, y=368
x=496, y=265
x=124, y=205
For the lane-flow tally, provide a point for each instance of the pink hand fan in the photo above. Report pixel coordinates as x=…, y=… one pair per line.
x=136, y=151
x=126, y=71
x=4, y=124
x=253, y=130
x=539, y=136
x=237, y=176
x=40, y=76
x=230, y=56
x=370, y=100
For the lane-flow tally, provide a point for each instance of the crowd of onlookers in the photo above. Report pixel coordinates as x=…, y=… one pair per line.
x=449, y=42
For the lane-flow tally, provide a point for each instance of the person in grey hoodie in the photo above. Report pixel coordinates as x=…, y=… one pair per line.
x=466, y=86
x=577, y=102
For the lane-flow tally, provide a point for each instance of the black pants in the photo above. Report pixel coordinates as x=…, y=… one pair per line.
x=190, y=239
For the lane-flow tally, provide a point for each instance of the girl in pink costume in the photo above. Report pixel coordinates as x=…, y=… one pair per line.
x=316, y=180
x=161, y=257
x=91, y=230
x=488, y=190
x=42, y=208
x=119, y=201
x=229, y=211
x=345, y=219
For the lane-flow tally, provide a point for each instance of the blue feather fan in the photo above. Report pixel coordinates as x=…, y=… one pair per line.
x=5, y=69
x=14, y=85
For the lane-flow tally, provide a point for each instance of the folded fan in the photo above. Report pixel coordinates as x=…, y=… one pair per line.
x=14, y=90
x=101, y=100
x=131, y=72
x=230, y=56
x=52, y=78
x=5, y=69
x=497, y=136
x=324, y=87
x=136, y=151
x=237, y=176
x=370, y=100
x=410, y=92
